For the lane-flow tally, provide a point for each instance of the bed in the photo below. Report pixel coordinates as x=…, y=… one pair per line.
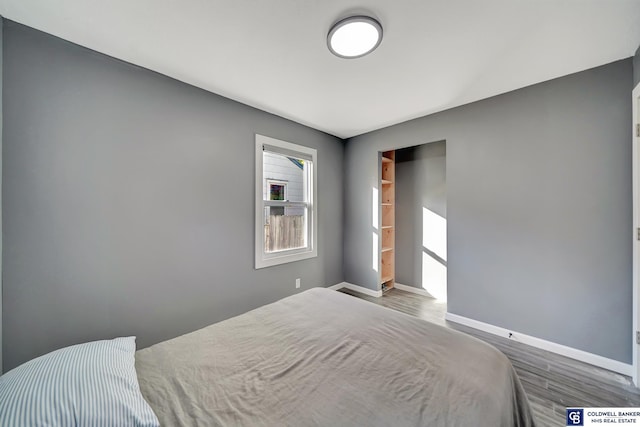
x=322, y=358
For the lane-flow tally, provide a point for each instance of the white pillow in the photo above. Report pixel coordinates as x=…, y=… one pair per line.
x=92, y=384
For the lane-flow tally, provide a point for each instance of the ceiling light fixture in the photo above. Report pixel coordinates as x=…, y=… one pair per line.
x=354, y=37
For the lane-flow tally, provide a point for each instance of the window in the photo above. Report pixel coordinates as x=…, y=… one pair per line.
x=286, y=222
x=277, y=191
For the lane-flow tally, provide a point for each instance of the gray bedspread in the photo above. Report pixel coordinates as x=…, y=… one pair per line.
x=322, y=358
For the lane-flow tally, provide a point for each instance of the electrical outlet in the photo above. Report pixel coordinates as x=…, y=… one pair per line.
x=297, y=283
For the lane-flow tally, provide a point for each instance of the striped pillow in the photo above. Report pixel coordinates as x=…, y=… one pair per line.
x=92, y=384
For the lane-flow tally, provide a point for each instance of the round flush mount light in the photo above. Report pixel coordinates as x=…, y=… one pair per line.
x=354, y=37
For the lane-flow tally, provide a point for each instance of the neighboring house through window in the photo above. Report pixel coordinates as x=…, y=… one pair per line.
x=285, y=207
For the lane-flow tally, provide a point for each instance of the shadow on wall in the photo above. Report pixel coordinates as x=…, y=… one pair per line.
x=434, y=254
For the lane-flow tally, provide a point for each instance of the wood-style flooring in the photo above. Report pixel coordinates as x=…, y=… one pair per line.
x=552, y=382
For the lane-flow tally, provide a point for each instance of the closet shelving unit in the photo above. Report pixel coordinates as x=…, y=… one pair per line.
x=387, y=225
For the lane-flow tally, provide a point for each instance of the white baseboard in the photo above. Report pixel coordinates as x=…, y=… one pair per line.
x=583, y=356
x=412, y=289
x=357, y=288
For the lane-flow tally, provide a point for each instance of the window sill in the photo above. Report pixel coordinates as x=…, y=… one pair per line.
x=285, y=258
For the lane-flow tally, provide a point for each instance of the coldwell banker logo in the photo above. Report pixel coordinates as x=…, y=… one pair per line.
x=575, y=417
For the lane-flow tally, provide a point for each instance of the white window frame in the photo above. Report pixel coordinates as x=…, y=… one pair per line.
x=263, y=259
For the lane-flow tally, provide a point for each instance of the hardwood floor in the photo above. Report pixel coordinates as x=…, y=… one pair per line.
x=552, y=382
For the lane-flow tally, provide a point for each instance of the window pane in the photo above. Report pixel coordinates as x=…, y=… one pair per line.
x=284, y=230
x=284, y=177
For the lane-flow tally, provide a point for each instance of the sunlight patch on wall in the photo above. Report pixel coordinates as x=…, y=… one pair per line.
x=434, y=254
x=375, y=219
x=375, y=252
x=434, y=233
x=374, y=207
x=434, y=277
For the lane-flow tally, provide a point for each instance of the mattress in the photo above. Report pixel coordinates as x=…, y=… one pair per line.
x=323, y=358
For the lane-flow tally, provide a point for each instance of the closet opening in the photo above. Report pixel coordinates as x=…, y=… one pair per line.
x=413, y=220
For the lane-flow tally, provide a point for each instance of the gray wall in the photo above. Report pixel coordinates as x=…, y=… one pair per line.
x=420, y=183
x=636, y=68
x=129, y=201
x=1, y=115
x=538, y=207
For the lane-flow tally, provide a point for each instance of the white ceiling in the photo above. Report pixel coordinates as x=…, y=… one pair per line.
x=436, y=54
